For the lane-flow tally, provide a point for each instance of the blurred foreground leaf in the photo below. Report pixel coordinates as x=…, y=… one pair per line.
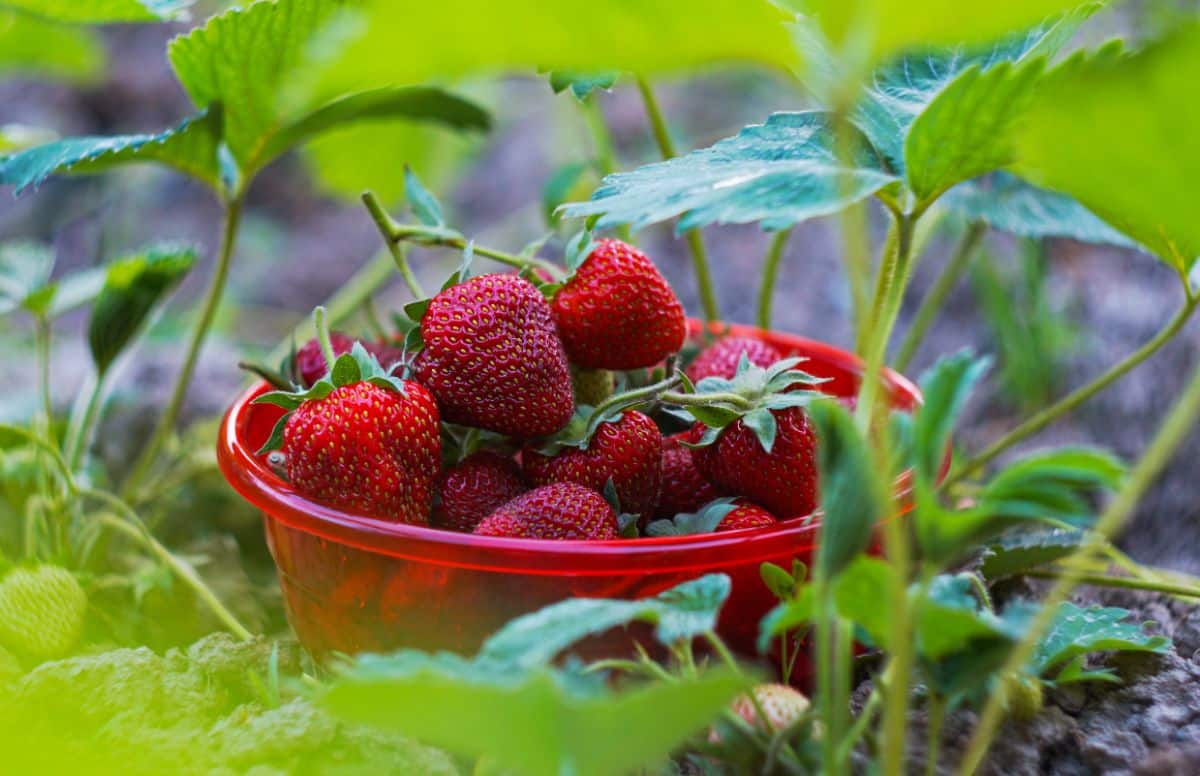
x=32, y=46
x=100, y=11
x=537, y=723
x=1116, y=131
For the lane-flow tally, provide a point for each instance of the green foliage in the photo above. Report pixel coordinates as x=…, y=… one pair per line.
x=100, y=11
x=35, y=47
x=1032, y=334
x=1077, y=632
x=1023, y=550
x=25, y=282
x=850, y=488
x=895, y=25
x=1135, y=165
x=191, y=147
x=679, y=614
x=1008, y=204
x=705, y=520
x=946, y=386
x=585, y=36
x=581, y=84
x=777, y=173
x=552, y=723
x=133, y=288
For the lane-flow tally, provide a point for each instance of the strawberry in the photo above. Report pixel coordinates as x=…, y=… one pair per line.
x=683, y=489
x=746, y=514
x=362, y=440
x=564, y=510
x=721, y=359
x=617, y=312
x=42, y=611
x=471, y=490
x=492, y=358
x=754, y=438
x=782, y=705
x=624, y=449
x=310, y=362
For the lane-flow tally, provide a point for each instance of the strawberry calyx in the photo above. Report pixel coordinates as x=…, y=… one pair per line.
x=348, y=369
x=704, y=520
x=587, y=419
x=749, y=396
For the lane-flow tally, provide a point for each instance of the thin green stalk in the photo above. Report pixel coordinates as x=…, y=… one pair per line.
x=766, y=291
x=666, y=147
x=41, y=336
x=426, y=236
x=208, y=311
x=1077, y=397
x=684, y=399
x=82, y=422
x=826, y=679
x=843, y=678
x=129, y=524
x=374, y=323
x=884, y=276
x=861, y=723
x=399, y=252
x=936, y=716
x=602, y=145
x=1177, y=425
x=931, y=305
x=852, y=220
x=886, y=305
x=1127, y=583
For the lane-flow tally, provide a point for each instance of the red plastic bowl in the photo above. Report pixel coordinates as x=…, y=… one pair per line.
x=356, y=584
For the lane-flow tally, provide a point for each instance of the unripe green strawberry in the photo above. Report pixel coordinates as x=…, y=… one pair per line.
x=782, y=704
x=591, y=386
x=1025, y=697
x=41, y=611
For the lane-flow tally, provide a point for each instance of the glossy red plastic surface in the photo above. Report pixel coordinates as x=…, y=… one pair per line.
x=356, y=584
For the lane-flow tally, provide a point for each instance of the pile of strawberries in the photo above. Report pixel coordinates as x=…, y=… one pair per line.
x=521, y=405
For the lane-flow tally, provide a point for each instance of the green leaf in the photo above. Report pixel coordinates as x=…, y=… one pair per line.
x=1019, y=551
x=648, y=36
x=133, y=287
x=950, y=619
x=1052, y=485
x=251, y=60
x=777, y=173
x=101, y=11
x=190, y=147
x=32, y=46
x=896, y=25
x=763, y=424
x=678, y=614
x=416, y=103
x=66, y=294
x=946, y=387
x=943, y=116
x=549, y=725
x=25, y=269
x=424, y=205
x=1135, y=165
x=581, y=84
x=18, y=137
x=1008, y=204
x=860, y=594
x=1079, y=631
x=851, y=493
x=704, y=520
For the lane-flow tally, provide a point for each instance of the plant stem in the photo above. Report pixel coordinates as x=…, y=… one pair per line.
x=931, y=305
x=685, y=399
x=1068, y=403
x=398, y=233
x=82, y=423
x=131, y=526
x=399, y=254
x=208, y=311
x=936, y=715
x=766, y=291
x=41, y=336
x=1129, y=583
x=602, y=145
x=1178, y=423
x=888, y=256
x=666, y=147
x=861, y=723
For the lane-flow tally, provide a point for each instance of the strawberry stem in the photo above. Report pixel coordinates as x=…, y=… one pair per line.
x=399, y=255
x=766, y=291
x=320, y=320
x=705, y=399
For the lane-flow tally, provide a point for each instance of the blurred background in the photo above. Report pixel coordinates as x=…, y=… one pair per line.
x=1053, y=313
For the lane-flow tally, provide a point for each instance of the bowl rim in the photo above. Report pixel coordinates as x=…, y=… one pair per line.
x=255, y=481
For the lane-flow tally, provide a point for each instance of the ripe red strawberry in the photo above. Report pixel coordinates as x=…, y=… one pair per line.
x=617, y=311
x=627, y=451
x=754, y=439
x=310, y=362
x=564, y=510
x=492, y=357
x=746, y=514
x=361, y=440
x=474, y=488
x=783, y=480
x=683, y=489
x=721, y=359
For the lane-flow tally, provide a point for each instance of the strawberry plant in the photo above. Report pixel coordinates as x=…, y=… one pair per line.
x=563, y=402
